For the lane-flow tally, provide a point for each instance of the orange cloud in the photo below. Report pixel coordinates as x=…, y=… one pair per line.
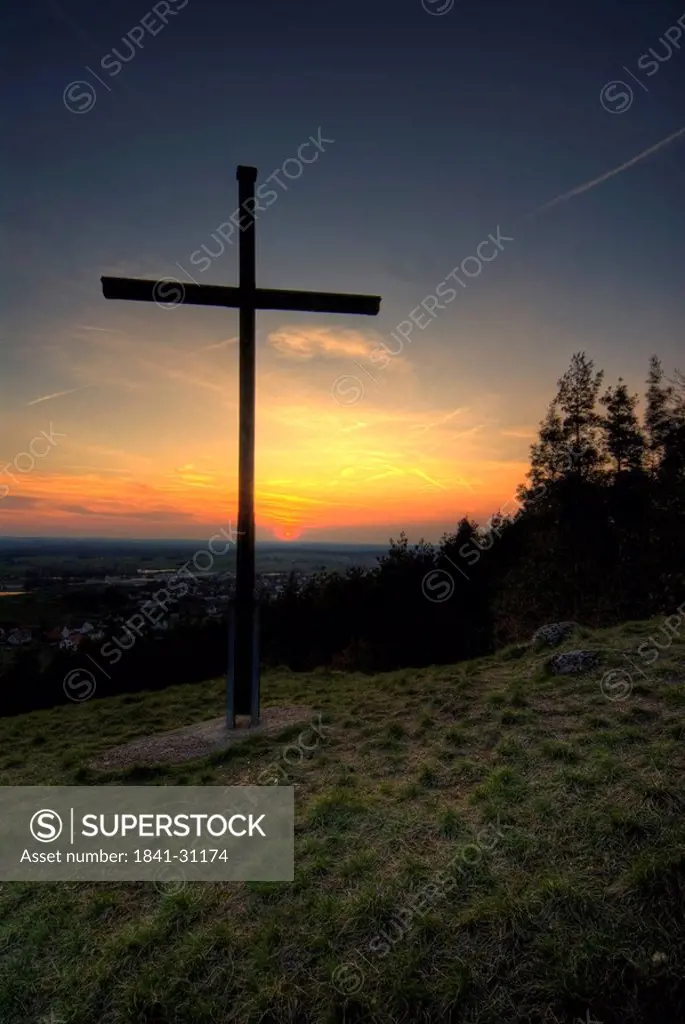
x=306, y=342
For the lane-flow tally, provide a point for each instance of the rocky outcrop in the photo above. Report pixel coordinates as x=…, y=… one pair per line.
x=573, y=662
x=553, y=634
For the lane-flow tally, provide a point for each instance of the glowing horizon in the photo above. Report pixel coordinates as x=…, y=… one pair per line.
x=386, y=463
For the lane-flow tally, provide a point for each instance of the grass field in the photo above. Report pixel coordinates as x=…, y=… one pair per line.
x=539, y=821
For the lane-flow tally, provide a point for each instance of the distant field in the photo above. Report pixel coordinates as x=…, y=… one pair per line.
x=30, y=609
x=96, y=557
x=59, y=560
x=559, y=809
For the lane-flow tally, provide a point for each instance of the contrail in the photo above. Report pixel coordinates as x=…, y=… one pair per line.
x=586, y=186
x=58, y=394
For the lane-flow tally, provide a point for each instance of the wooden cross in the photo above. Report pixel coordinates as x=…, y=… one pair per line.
x=243, y=661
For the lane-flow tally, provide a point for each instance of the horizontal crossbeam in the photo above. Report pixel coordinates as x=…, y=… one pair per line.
x=171, y=292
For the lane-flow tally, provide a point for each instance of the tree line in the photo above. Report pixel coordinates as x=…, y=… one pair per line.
x=596, y=535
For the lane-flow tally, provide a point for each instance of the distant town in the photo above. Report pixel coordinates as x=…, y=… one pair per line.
x=60, y=595
x=204, y=597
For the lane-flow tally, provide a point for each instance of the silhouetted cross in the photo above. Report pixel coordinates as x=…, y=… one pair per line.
x=243, y=670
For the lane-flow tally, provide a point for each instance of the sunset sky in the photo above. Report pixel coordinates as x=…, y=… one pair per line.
x=444, y=128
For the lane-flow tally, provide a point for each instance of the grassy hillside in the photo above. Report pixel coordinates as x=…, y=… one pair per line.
x=539, y=819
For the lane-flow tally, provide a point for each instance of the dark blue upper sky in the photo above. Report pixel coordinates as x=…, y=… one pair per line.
x=445, y=126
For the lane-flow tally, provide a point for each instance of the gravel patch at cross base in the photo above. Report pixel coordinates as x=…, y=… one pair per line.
x=199, y=740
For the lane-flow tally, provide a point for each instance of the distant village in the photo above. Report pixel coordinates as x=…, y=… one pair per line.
x=204, y=597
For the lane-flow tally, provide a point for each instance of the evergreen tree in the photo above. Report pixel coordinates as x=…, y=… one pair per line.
x=673, y=437
x=657, y=413
x=624, y=439
x=578, y=392
x=548, y=456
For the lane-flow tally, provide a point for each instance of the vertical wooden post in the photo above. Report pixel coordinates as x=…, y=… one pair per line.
x=255, y=669
x=230, y=679
x=244, y=652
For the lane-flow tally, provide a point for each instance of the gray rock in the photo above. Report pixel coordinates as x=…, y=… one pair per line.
x=553, y=634
x=572, y=662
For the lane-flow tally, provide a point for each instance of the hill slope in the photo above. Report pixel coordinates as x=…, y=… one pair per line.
x=482, y=842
